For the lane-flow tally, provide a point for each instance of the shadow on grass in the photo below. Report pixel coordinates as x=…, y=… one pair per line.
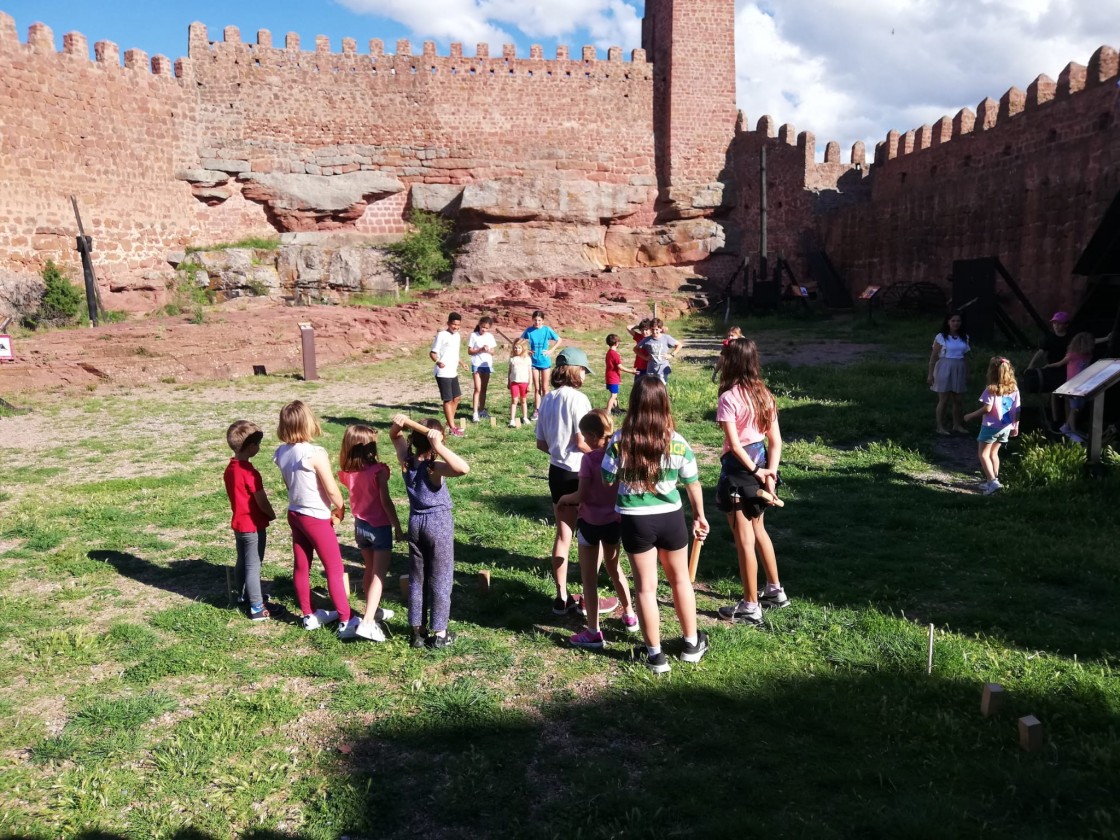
x=835, y=754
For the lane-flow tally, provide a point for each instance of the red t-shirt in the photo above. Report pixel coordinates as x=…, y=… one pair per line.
x=640, y=362
x=613, y=367
x=242, y=481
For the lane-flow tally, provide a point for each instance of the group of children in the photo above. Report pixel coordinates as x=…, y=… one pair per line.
x=1000, y=402
x=530, y=365
x=608, y=488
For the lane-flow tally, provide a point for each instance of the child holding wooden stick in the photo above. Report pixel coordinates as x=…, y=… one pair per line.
x=648, y=458
x=427, y=463
x=752, y=451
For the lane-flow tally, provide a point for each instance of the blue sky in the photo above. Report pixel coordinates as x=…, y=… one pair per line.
x=844, y=69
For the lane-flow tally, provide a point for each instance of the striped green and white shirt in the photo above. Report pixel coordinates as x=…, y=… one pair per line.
x=677, y=466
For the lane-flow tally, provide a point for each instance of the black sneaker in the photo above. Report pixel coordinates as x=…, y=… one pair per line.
x=419, y=638
x=694, y=653
x=657, y=664
x=777, y=600
x=740, y=613
x=562, y=607
x=441, y=642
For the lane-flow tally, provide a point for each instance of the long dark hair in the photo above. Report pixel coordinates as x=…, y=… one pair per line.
x=945, y=325
x=739, y=368
x=646, y=433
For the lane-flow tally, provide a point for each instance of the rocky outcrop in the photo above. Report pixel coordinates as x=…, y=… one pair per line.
x=523, y=253
x=550, y=200
x=309, y=272
x=318, y=202
x=19, y=294
x=676, y=243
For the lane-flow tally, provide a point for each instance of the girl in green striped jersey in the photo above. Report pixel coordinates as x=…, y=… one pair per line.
x=647, y=458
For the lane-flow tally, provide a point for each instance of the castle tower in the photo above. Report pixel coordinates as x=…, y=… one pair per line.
x=692, y=46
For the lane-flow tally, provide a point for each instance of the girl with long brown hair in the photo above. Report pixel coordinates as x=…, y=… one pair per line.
x=648, y=459
x=752, y=450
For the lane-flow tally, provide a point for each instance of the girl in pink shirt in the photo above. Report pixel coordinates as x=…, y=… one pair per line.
x=597, y=532
x=752, y=450
x=375, y=520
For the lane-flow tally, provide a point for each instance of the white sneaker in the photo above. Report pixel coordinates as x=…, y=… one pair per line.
x=991, y=487
x=370, y=630
x=319, y=618
x=474, y=417
x=350, y=629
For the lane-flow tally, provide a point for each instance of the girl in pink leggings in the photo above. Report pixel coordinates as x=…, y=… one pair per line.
x=314, y=505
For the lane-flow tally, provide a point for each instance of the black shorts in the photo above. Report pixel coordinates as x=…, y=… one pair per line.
x=666, y=531
x=736, y=487
x=597, y=534
x=448, y=388
x=561, y=482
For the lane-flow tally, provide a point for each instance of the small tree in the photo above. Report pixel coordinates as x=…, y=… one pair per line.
x=423, y=255
x=61, y=301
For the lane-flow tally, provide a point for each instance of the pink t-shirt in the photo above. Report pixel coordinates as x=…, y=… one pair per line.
x=365, y=494
x=599, y=499
x=735, y=407
x=1077, y=363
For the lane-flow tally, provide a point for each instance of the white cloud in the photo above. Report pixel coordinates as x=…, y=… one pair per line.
x=604, y=22
x=855, y=69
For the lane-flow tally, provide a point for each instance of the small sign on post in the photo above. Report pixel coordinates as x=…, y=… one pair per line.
x=6, y=353
x=1092, y=383
x=307, y=339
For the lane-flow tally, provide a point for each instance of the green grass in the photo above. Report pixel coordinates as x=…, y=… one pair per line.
x=138, y=704
x=259, y=243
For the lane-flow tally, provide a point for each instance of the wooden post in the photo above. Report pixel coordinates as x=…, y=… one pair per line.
x=85, y=248
x=991, y=700
x=231, y=598
x=405, y=588
x=307, y=340
x=1031, y=734
x=484, y=581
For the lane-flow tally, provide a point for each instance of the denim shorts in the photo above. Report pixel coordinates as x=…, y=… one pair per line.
x=990, y=434
x=367, y=536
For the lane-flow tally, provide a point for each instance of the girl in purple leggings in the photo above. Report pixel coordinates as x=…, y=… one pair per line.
x=314, y=505
x=427, y=462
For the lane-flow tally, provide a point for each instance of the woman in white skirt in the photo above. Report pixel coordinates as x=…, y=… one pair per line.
x=948, y=371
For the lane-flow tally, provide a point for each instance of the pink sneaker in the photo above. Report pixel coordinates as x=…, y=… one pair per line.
x=630, y=622
x=458, y=432
x=590, y=639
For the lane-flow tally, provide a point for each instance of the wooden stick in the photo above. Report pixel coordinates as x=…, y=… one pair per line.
x=694, y=559
x=769, y=498
x=929, y=665
x=503, y=335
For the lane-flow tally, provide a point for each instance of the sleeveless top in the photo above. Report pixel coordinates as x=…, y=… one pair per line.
x=304, y=495
x=422, y=499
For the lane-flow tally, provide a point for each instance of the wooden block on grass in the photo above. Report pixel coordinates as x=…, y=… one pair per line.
x=991, y=700
x=231, y=596
x=1031, y=734
x=405, y=587
x=484, y=581
x=493, y=422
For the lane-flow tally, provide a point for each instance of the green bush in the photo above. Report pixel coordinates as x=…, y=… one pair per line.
x=61, y=300
x=423, y=256
x=1039, y=463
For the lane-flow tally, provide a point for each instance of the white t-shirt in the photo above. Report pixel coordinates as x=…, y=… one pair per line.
x=519, y=368
x=446, y=347
x=485, y=359
x=304, y=494
x=558, y=422
x=953, y=347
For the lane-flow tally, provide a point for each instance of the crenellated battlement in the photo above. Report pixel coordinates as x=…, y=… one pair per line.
x=806, y=142
x=75, y=46
x=232, y=50
x=1013, y=106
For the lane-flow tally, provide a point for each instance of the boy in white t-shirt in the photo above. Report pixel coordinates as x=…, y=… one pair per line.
x=445, y=353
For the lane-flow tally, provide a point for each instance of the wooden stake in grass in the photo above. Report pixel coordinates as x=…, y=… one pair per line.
x=230, y=596
x=405, y=586
x=484, y=581
x=929, y=665
x=991, y=701
x=1031, y=733
x=694, y=559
